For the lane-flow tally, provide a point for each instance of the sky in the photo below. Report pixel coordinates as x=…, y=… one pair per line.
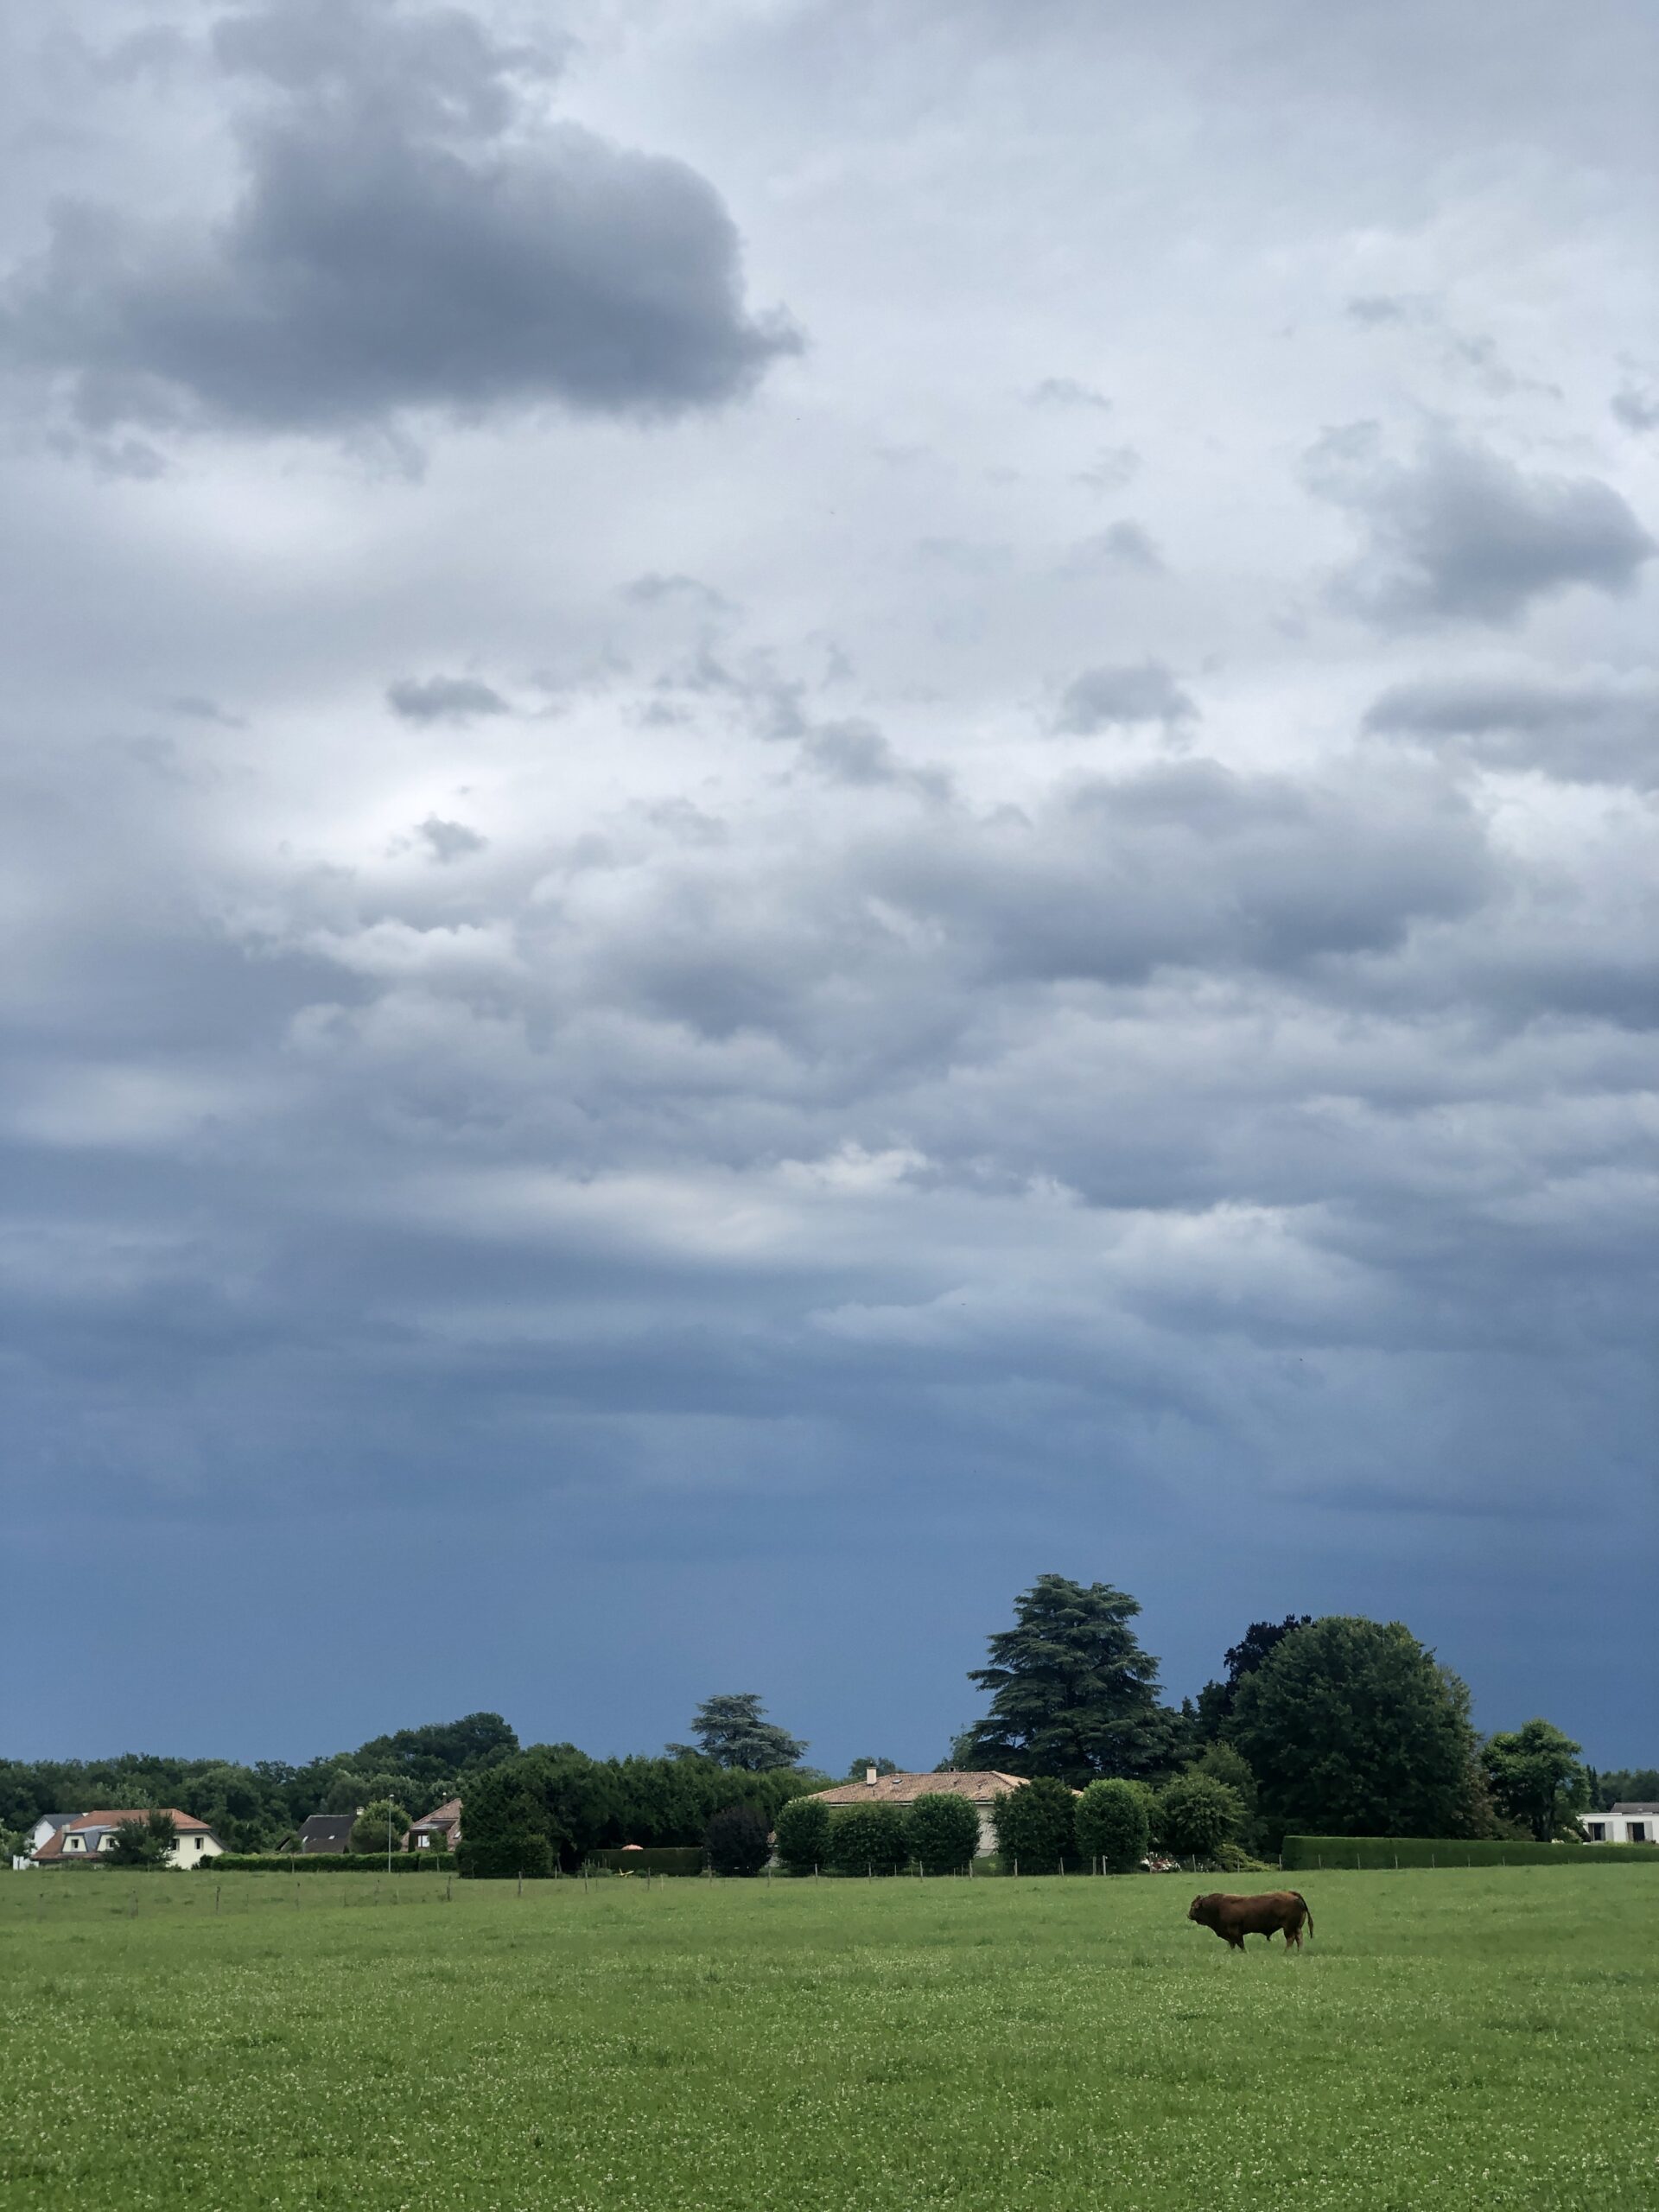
x=807, y=805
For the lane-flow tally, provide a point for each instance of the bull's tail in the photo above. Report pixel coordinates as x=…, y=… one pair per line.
x=1306, y=1908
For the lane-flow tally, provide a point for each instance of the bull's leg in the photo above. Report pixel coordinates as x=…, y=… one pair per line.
x=1293, y=1934
x=1235, y=1943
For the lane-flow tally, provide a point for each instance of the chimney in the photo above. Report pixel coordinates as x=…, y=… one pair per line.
x=869, y=1778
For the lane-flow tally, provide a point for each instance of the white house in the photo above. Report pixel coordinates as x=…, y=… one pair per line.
x=88, y=1834
x=40, y=1832
x=1630, y=1823
x=982, y=1790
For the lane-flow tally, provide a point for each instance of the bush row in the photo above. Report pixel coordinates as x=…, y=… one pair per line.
x=330, y=1862
x=1309, y=1853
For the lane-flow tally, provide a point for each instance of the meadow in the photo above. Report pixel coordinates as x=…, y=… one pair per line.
x=1482, y=2039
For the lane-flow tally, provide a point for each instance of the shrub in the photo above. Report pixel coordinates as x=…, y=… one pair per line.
x=1307, y=1854
x=869, y=1839
x=665, y=1859
x=944, y=1832
x=143, y=1843
x=738, y=1840
x=330, y=1862
x=1197, y=1814
x=505, y=1854
x=379, y=1826
x=1112, y=1824
x=1036, y=1827
x=1231, y=1859
x=804, y=1834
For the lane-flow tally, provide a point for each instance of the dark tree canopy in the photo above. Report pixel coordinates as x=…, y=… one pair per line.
x=1217, y=1700
x=732, y=1732
x=1072, y=1692
x=1350, y=1728
x=738, y=1840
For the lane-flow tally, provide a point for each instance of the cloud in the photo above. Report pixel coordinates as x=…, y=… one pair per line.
x=1600, y=732
x=443, y=699
x=1112, y=698
x=1066, y=392
x=1461, y=534
x=1112, y=468
x=450, y=841
x=410, y=235
x=1638, y=410
x=1123, y=545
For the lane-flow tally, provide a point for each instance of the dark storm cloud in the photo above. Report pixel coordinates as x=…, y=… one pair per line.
x=1584, y=734
x=395, y=248
x=443, y=699
x=1107, y=698
x=1459, y=533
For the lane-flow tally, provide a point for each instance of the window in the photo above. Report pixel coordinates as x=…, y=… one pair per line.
x=1596, y=1830
x=1638, y=1831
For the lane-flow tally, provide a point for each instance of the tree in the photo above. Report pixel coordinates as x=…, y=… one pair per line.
x=869, y=1839
x=1196, y=1815
x=944, y=1832
x=1072, y=1693
x=732, y=1732
x=1112, y=1824
x=503, y=1825
x=145, y=1842
x=1036, y=1827
x=381, y=1825
x=1623, y=1785
x=738, y=1840
x=860, y=1768
x=1226, y=1763
x=804, y=1834
x=1217, y=1700
x=1350, y=1728
x=1537, y=1780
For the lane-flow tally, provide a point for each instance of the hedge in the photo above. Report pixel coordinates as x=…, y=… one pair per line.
x=330, y=1862
x=663, y=1859
x=1358, y=1853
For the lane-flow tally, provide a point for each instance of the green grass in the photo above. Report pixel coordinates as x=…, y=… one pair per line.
x=1453, y=2040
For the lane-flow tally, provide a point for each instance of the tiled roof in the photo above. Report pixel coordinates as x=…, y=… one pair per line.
x=1638, y=1810
x=327, y=1832
x=904, y=1789
x=442, y=1817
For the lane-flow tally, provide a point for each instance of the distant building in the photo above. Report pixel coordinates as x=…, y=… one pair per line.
x=327, y=1832
x=89, y=1835
x=980, y=1789
x=1623, y=1824
x=439, y=1831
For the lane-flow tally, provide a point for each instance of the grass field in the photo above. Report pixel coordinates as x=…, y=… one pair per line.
x=1449, y=2040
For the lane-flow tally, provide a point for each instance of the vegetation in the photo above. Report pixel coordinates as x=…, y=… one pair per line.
x=145, y=1843
x=1112, y=1824
x=1382, y=1852
x=804, y=1834
x=732, y=1732
x=1536, y=1779
x=738, y=1840
x=869, y=1840
x=1350, y=1726
x=943, y=1831
x=1481, y=2040
x=1072, y=1693
x=1217, y=1700
x=1036, y=1828
x=1624, y=1785
x=1196, y=1816
x=379, y=1826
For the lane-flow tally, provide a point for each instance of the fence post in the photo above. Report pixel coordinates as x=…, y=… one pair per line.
x=216, y=1898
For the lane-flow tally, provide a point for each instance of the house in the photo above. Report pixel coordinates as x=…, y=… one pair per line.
x=980, y=1789
x=327, y=1832
x=1627, y=1823
x=89, y=1834
x=46, y=1827
x=439, y=1831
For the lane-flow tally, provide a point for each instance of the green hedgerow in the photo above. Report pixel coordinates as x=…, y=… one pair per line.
x=944, y=1832
x=803, y=1831
x=1037, y=1826
x=869, y=1839
x=1112, y=1824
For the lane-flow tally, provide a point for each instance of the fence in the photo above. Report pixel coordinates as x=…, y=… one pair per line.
x=1310, y=1855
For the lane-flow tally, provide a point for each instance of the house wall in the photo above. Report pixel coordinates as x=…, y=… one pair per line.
x=1620, y=1828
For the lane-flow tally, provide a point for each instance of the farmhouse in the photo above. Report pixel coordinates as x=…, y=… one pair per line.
x=91, y=1833
x=980, y=1789
x=1626, y=1823
x=439, y=1831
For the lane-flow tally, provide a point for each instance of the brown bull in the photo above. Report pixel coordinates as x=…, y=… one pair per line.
x=1233, y=1918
